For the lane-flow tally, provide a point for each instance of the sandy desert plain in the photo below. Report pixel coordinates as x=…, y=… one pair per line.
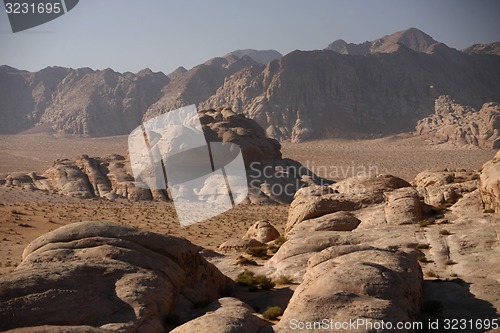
x=25, y=215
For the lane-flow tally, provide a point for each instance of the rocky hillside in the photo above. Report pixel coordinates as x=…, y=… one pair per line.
x=412, y=38
x=320, y=94
x=462, y=125
x=379, y=87
x=76, y=101
x=492, y=48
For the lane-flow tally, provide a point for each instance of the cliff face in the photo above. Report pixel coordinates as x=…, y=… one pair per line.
x=320, y=94
x=380, y=87
x=76, y=101
x=462, y=125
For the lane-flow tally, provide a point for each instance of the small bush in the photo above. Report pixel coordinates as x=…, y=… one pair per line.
x=245, y=278
x=248, y=278
x=475, y=176
x=423, y=259
x=272, y=313
x=243, y=261
x=283, y=279
x=431, y=273
x=16, y=212
x=423, y=246
x=444, y=232
x=263, y=282
x=432, y=308
x=426, y=222
x=259, y=252
x=489, y=211
x=450, y=262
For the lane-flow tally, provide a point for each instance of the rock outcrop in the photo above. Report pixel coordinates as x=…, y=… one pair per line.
x=109, y=277
x=323, y=94
x=271, y=179
x=362, y=242
x=262, y=231
x=261, y=56
x=462, y=125
x=489, y=184
x=491, y=48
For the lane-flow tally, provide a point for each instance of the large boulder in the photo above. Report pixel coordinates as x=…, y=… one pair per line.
x=109, y=277
x=263, y=231
x=363, y=282
x=228, y=315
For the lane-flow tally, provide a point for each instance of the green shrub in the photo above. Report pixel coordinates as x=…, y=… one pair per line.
x=244, y=261
x=272, y=313
x=423, y=246
x=259, y=252
x=283, y=279
x=444, y=232
x=450, y=262
x=423, y=259
x=426, y=222
x=431, y=273
x=246, y=278
x=489, y=211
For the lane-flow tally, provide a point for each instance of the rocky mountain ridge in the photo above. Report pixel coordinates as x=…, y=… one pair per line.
x=375, y=88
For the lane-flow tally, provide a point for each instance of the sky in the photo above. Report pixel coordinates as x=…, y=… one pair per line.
x=162, y=35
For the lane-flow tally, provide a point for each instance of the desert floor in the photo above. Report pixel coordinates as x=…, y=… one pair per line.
x=25, y=215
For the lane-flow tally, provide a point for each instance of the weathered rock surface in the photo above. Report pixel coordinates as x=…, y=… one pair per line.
x=228, y=315
x=109, y=277
x=323, y=94
x=261, y=56
x=262, y=231
x=271, y=178
x=239, y=244
x=489, y=184
x=362, y=283
x=491, y=48
x=462, y=125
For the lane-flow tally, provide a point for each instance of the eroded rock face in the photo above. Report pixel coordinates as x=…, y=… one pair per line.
x=271, y=179
x=362, y=243
x=490, y=184
x=262, y=231
x=362, y=283
x=108, y=277
x=229, y=315
x=462, y=125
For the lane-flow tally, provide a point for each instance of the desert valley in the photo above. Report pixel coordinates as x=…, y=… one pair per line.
x=389, y=147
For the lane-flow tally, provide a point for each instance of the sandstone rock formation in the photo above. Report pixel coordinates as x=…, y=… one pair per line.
x=109, y=277
x=489, y=184
x=76, y=101
x=462, y=125
x=262, y=231
x=228, y=315
x=271, y=179
x=323, y=94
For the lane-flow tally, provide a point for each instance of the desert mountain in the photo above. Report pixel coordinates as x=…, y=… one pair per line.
x=318, y=94
x=198, y=84
x=492, y=48
x=261, y=56
x=411, y=38
x=76, y=101
x=379, y=87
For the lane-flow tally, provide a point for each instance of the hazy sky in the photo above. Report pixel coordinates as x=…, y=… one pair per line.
x=130, y=35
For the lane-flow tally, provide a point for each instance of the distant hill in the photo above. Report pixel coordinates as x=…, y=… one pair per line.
x=261, y=56
x=373, y=88
x=492, y=48
x=412, y=38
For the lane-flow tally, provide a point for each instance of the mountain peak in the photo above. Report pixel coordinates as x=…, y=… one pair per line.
x=261, y=56
x=411, y=38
